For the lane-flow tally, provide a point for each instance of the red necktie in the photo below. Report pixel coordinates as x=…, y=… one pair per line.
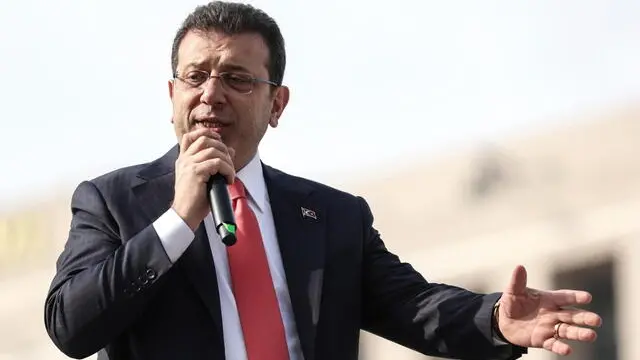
x=252, y=284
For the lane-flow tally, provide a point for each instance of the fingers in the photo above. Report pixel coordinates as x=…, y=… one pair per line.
x=577, y=333
x=191, y=137
x=573, y=331
x=579, y=317
x=209, y=167
x=518, y=283
x=209, y=162
x=570, y=297
x=204, y=154
x=212, y=149
x=557, y=346
x=204, y=141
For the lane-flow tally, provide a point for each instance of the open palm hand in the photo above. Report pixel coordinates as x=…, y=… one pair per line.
x=544, y=319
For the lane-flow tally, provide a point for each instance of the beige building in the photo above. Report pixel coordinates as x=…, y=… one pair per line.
x=565, y=203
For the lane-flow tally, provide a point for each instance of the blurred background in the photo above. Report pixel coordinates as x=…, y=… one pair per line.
x=483, y=134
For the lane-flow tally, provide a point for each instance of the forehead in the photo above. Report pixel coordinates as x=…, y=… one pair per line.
x=213, y=50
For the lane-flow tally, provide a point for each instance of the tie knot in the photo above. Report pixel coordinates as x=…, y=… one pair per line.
x=237, y=190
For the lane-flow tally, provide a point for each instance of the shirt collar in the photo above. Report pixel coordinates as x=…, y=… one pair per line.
x=253, y=179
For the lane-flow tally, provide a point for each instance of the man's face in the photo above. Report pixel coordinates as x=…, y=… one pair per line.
x=240, y=118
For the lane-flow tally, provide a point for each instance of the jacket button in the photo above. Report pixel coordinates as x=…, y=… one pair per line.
x=151, y=274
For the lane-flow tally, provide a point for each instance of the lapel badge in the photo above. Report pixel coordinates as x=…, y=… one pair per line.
x=308, y=213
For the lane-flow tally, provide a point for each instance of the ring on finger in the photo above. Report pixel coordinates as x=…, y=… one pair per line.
x=556, y=331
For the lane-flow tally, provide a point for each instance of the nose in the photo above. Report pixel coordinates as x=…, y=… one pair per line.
x=213, y=92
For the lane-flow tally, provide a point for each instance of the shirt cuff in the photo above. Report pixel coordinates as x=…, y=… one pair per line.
x=175, y=235
x=498, y=342
x=497, y=338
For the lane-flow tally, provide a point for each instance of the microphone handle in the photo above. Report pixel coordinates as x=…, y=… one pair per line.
x=221, y=209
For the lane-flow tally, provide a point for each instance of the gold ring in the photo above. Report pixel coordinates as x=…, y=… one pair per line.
x=556, y=331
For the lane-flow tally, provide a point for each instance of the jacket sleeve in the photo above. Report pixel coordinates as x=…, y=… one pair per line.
x=102, y=282
x=433, y=319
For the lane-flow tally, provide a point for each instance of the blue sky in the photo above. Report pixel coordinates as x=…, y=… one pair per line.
x=373, y=83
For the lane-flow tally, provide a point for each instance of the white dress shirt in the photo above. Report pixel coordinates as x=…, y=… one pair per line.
x=176, y=236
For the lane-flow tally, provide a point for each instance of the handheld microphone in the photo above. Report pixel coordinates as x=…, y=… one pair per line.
x=221, y=209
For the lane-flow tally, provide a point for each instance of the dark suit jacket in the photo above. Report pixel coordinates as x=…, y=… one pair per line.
x=115, y=290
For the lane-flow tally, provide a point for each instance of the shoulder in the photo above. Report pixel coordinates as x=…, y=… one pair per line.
x=105, y=189
x=118, y=180
x=322, y=192
x=123, y=179
x=311, y=186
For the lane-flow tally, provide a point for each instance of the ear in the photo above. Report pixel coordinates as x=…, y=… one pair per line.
x=170, y=84
x=280, y=101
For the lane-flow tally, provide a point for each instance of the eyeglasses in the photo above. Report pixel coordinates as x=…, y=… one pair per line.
x=242, y=83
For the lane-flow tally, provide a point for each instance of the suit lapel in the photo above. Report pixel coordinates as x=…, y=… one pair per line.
x=197, y=263
x=301, y=238
x=155, y=193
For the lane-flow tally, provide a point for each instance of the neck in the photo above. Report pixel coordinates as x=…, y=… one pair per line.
x=240, y=163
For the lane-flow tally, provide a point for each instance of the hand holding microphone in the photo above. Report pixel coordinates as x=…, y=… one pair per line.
x=203, y=169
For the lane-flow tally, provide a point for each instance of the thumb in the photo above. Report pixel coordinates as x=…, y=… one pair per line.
x=518, y=283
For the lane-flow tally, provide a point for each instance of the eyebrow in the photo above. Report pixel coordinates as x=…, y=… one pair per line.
x=224, y=67
x=194, y=64
x=234, y=67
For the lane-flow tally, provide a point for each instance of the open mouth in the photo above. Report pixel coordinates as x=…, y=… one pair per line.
x=210, y=124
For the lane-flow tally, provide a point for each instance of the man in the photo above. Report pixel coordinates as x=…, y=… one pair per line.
x=144, y=274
